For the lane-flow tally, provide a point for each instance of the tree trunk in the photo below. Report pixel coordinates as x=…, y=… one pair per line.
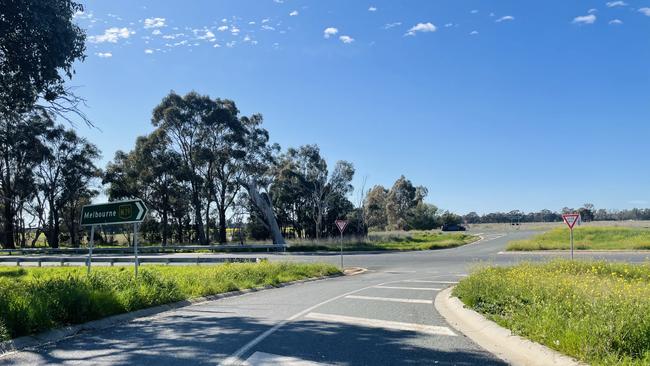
x=222, y=225
x=8, y=237
x=198, y=222
x=207, y=223
x=263, y=203
x=165, y=225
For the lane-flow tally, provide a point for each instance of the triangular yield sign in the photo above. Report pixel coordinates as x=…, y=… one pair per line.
x=571, y=219
x=341, y=224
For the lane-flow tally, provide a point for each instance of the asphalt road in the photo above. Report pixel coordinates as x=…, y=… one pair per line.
x=383, y=317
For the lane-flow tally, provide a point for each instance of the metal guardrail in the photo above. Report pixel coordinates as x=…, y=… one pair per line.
x=113, y=260
x=145, y=249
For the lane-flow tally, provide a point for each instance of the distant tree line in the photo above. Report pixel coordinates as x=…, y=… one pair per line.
x=587, y=212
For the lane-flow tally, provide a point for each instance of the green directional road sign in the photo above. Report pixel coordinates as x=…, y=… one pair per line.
x=123, y=212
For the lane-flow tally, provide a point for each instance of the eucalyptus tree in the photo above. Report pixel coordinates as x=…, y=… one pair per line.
x=153, y=172
x=223, y=151
x=64, y=177
x=319, y=187
x=375, y=208
x=400, y=201
x=257, y=172
x=21, y=150
x=184, y=119
x=39, y=44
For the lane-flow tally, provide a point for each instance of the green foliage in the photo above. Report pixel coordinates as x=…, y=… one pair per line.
x=40, y=43
x=377, y=241
x=37, y=299
x=597, y=312
x=597, y=238
x=375, y=208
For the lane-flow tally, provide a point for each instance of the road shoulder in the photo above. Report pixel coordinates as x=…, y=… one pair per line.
x=500, y=341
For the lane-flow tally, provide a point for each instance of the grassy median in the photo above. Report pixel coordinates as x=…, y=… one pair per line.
x=595, y=238
x=36, y=299
x=595, y=311
x=396, y=240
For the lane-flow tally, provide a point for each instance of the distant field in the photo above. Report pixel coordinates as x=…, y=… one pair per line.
x=593, y=237
x=410, y=240
x=595, y=311
x=37, y=299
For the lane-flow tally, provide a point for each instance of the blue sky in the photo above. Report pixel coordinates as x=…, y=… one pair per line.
x=493, y=105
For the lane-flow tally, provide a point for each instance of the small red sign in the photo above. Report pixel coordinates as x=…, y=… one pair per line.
x=571, y=219
x=341, y=224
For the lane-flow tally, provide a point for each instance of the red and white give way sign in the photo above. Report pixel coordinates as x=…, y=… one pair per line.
x=571, y=219
x=341, y=224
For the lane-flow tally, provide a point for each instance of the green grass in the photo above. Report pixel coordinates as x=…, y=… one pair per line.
x=597, y=238
x=594, y=311
x=37, y=299
x=418, y=240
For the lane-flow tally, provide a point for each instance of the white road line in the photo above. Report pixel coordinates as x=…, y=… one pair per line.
x=235, y=358
x=390, y=299
x=386, y=324
x=428, y=281
x=409, y=288
x=269, y=359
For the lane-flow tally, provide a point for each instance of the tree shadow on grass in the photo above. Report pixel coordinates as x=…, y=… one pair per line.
x=208, y=337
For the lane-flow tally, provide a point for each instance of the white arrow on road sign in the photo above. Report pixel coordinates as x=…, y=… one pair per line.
x=140, y=210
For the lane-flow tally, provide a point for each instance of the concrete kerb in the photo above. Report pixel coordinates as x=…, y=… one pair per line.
x=500, y=341
x=58, y=334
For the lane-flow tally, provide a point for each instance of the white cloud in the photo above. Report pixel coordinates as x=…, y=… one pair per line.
x=346, y=39
x=154, y=22
x=331, y=31
x=473, y=33
x=372, y=8
x=421, y=27
x=645, y=11
x=82, y=14
x=156, y=32
x=392, y=25
x=104, y=54
x=294, y=13
x=616, y=21
x=204, y=34
x=222, y=28
x=505, y=18
x=148, y=51
x=111, y=35
x=585, y=19
x=612, y=4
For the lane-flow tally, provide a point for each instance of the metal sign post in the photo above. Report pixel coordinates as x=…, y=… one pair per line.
x=135, y=246
x=90, y=247
x=113, y=213
x=341, y=224
x=571, y=220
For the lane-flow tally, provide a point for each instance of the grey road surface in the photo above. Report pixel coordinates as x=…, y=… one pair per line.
x=383, y=317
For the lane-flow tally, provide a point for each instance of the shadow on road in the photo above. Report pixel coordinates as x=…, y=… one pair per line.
x=208, y=336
